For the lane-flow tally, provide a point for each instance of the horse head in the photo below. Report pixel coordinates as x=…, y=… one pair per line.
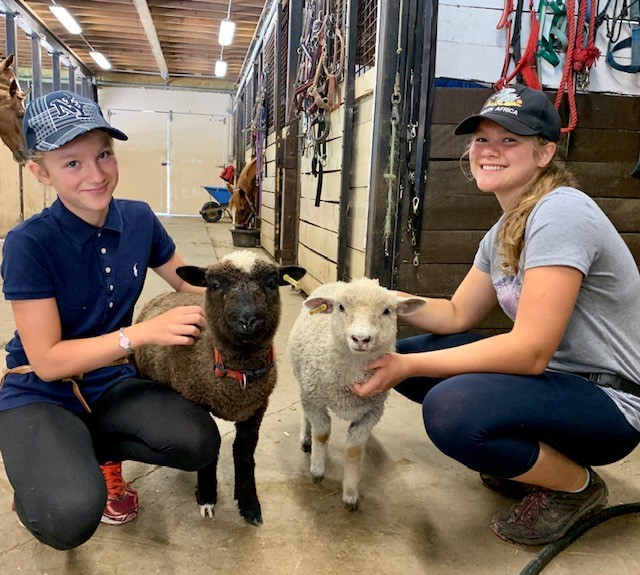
x=12, y=111
x=242, y=205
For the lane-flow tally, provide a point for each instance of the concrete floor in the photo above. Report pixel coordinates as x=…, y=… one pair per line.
x=420, y=512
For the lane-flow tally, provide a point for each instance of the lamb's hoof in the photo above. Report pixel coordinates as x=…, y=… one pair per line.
x=317, y=478
x=252, y=517
x=351, y=503
x=207, y=510
x=306, y=446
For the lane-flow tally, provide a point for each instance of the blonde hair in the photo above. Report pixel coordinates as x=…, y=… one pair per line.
x=511, y=233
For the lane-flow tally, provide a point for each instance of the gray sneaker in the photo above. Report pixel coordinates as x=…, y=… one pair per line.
x=545, y=516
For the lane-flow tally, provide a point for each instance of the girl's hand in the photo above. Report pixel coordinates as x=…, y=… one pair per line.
x=178, y=326
x=389, y=370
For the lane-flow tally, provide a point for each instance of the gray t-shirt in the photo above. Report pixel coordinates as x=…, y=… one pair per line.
x=567, y=228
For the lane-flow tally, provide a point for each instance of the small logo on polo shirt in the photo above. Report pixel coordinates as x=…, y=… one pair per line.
x=135, y=269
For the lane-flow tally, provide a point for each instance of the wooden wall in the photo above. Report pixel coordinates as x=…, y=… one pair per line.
x=318, y=226
x=35, y=196
x=359, y=187
x=268, y=195
x=602, y=151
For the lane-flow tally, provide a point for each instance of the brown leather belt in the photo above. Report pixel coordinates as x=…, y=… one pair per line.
x=23, y=369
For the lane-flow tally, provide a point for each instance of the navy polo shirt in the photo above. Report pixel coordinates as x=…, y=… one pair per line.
x=96, y=276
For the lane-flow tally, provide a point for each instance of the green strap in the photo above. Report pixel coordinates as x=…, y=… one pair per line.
x=556, y=39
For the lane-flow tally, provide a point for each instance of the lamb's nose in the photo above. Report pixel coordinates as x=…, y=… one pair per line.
x=249, y=322
x=361, y=340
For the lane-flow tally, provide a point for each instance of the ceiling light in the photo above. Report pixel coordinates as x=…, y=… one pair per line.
x=225, y=35
x=99, y=59
x=221, y=69
x=66, y=19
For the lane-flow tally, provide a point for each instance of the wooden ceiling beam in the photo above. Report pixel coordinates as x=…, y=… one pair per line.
x=150, y=30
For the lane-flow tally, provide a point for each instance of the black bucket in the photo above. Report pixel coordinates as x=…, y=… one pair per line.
x=245, y=238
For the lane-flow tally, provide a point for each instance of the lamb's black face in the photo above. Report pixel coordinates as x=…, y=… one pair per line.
x=243, y=308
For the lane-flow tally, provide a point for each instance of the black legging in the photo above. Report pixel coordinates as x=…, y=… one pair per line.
x=493, y=422
x=52, y=455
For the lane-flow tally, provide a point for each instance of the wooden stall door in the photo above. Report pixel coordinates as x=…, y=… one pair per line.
x=142, y=159
x=198, y=152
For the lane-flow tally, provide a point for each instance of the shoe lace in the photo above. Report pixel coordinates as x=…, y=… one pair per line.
x=530, y=507
x=113, y=476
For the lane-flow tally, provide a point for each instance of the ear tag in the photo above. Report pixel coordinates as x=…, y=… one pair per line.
x=289, y=279
x=321, y=308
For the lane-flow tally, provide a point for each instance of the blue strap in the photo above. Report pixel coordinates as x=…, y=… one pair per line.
x=632, y=42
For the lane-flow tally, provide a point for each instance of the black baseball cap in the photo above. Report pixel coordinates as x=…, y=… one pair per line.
x=55, y=119
x=520, y=110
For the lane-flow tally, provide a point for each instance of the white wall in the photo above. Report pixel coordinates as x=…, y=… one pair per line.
x=138, y=99
x=155, y=99
x=471, y=48
x=179, y=141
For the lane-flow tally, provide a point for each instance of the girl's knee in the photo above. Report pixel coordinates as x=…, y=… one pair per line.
x=66, y=523
x=450, y=414
x=198, y=447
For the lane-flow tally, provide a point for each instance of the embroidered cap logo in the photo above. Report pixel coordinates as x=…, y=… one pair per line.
x=505, y=97
x=69, y=107
x=507, y=101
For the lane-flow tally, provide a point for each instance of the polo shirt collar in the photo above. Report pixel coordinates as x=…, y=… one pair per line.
x=79, y=230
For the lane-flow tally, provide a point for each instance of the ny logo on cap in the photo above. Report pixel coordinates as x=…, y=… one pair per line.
x=69, y=107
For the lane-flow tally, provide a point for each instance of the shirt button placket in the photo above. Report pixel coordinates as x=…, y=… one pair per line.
x=108, y=273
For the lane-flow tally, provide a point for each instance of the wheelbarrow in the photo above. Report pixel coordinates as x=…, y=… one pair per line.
x=213, y=210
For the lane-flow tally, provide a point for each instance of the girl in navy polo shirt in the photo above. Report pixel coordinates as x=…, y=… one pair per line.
x=73, y=274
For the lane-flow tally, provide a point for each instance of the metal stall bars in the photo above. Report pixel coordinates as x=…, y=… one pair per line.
x=404, y=96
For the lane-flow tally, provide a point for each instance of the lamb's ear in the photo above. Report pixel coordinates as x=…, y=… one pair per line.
x=319, y=305
x=192, y=275
x=293, y=272
x=410, y=305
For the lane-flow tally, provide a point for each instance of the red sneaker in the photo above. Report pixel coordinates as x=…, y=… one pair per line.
x=13, y=508
x=122, y=499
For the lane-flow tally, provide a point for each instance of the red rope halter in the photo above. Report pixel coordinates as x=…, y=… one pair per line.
x=579, y=58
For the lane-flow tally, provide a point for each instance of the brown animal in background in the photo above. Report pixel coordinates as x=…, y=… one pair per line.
x=12, y=111
x=243, y=203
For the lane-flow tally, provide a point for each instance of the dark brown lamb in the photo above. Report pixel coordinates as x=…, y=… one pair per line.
x=242, y=310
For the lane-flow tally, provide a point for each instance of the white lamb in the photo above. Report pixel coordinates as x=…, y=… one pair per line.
x=351, y=325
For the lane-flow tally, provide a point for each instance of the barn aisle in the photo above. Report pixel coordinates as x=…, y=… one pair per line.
x=420, y=512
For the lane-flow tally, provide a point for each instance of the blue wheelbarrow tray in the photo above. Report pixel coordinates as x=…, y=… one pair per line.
x=213, y=210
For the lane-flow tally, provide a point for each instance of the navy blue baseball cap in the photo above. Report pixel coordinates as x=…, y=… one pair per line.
x=520, y=110
x=55, y=119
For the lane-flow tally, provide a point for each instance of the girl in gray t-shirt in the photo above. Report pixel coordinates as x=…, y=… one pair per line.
x=534, y=408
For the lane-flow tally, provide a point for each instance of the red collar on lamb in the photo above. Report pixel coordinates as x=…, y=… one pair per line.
x=241, y=375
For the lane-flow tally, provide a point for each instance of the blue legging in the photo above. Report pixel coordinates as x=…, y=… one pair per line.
x=51, y=454
x=493, y=422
